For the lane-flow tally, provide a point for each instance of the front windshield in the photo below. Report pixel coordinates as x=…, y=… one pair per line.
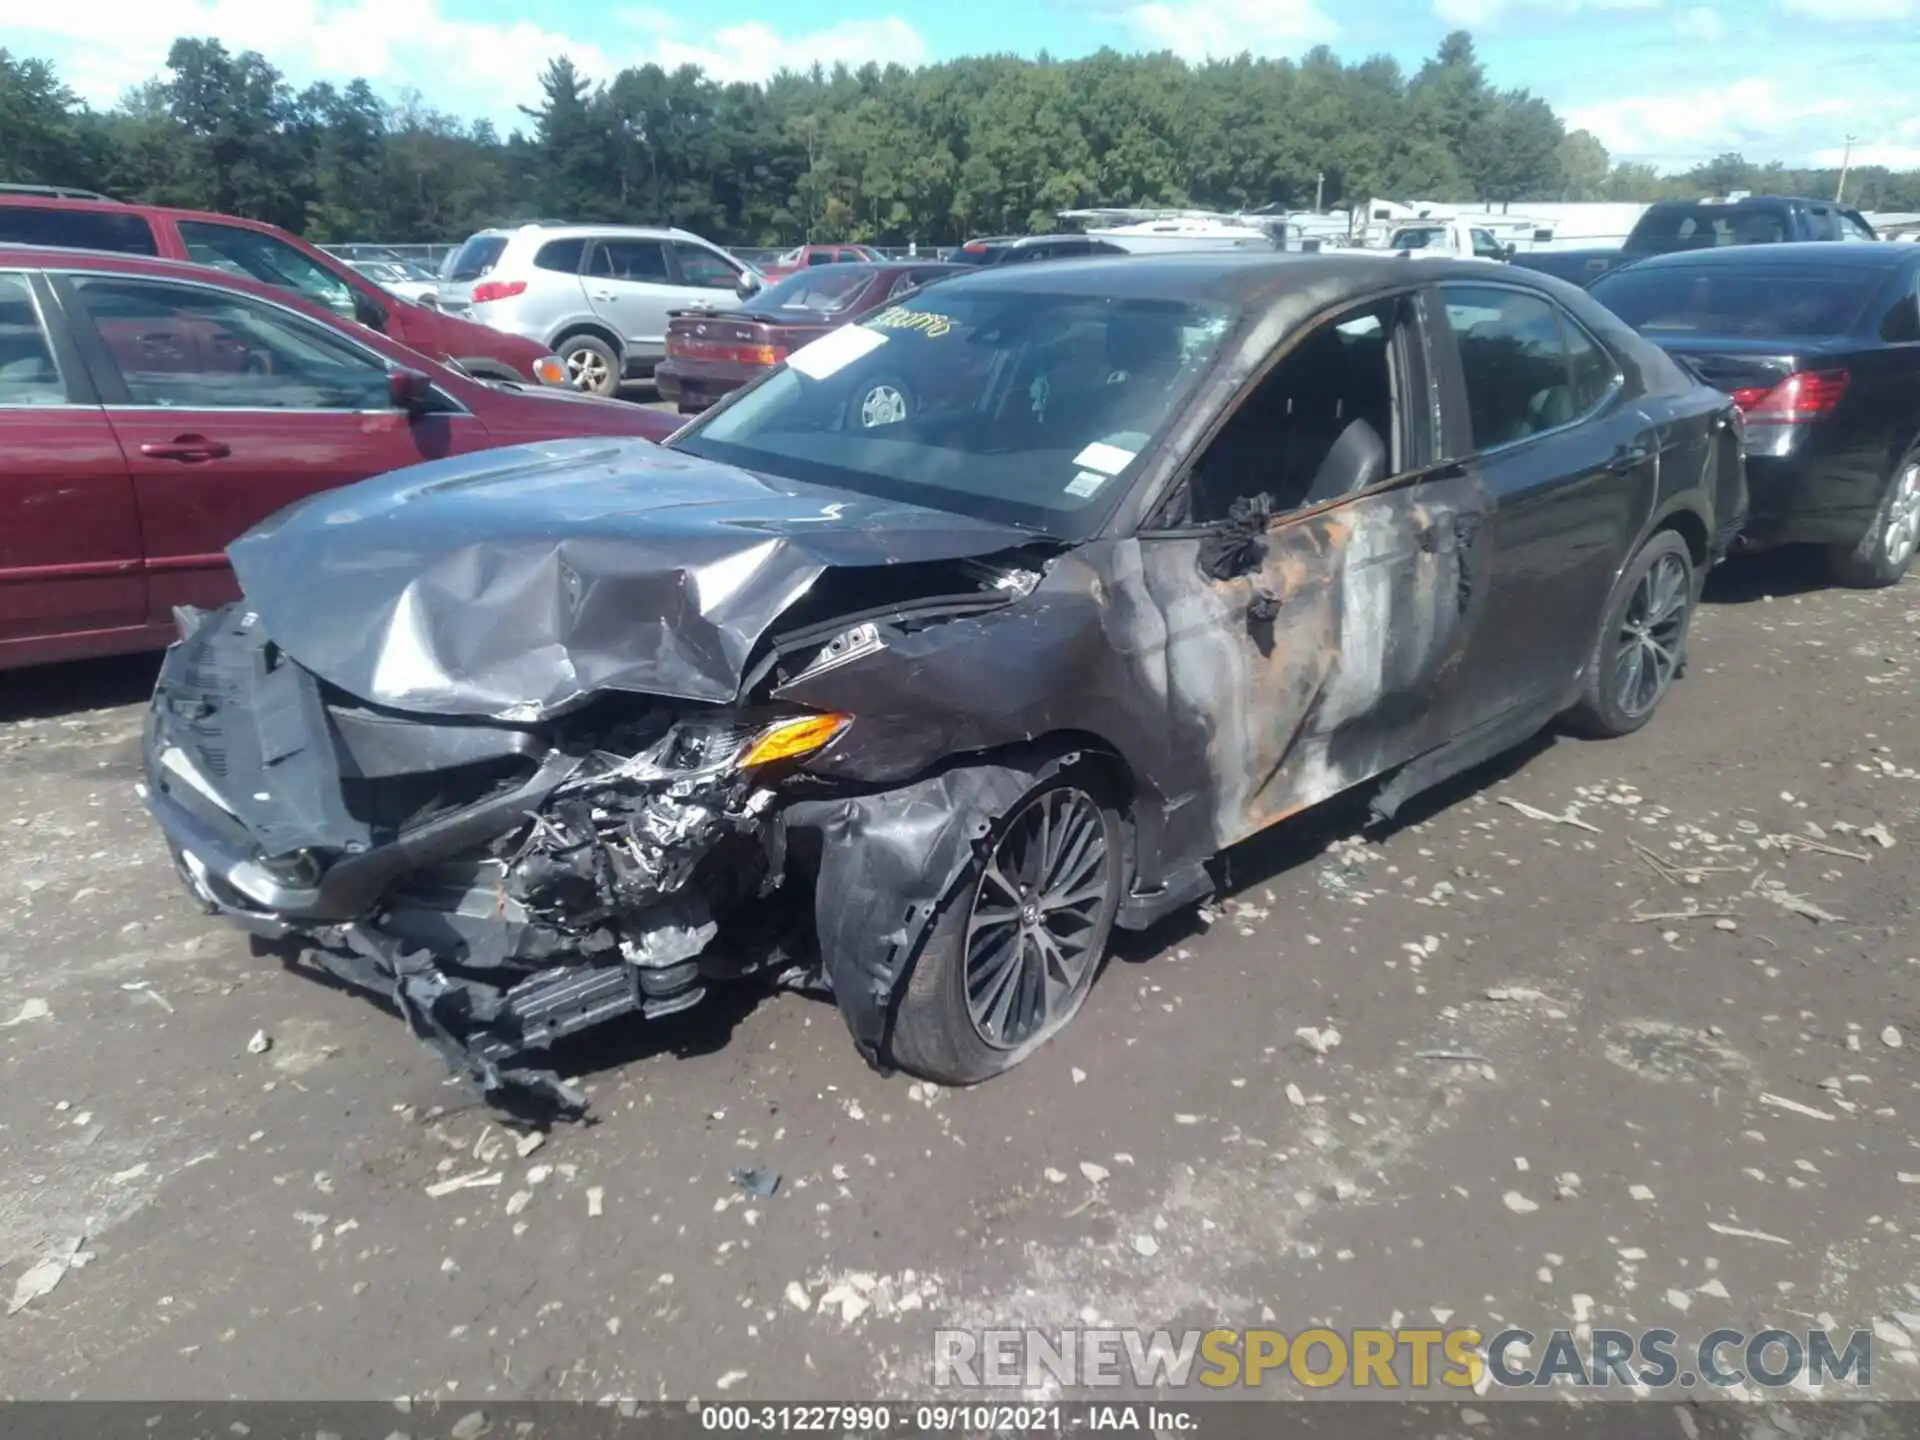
x=1009, y=405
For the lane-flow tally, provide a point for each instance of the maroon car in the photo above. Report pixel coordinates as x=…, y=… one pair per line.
x=805, y=256
x=710, y=355
x=152, y=411
x=269, y=254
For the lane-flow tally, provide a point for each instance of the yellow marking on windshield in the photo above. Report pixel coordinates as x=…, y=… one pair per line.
x=928, y=323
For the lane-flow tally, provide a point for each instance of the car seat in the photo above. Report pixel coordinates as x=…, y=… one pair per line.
x=1355, y=461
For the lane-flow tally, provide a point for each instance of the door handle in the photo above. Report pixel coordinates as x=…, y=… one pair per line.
x=190, y=448
x=1629, y=457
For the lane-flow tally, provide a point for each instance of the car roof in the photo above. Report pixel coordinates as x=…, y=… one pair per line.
x=51, y=257
x=121, y=207
x=535, y=229
x=1829, y=254
x=1249, y=279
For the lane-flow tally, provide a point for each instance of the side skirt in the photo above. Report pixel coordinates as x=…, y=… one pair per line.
x=1459, y=755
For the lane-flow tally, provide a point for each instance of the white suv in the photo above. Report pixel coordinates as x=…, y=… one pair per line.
x=595, y=295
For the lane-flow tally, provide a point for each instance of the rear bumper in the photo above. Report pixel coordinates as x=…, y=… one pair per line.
x=1799, y=501
x=697, y=384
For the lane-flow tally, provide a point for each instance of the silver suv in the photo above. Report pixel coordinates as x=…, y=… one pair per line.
x=597, y=296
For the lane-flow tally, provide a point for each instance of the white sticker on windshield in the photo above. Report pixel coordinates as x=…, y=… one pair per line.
x=834, y=351
x=1085, y=483
x=1110, y=459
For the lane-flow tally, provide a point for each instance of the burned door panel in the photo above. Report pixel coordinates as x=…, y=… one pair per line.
x=1315, y=661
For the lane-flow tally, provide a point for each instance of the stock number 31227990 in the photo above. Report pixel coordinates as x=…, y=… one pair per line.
x=881, y=1419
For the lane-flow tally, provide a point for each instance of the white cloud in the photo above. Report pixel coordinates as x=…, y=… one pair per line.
x=475, y=68
x=1200, y=29
x=1475, y=14
x=753, y=50
x=1701, y=23
x=1755, y=116
x=1840, y=11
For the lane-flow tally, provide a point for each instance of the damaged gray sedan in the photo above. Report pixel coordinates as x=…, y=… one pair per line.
x=968, y=634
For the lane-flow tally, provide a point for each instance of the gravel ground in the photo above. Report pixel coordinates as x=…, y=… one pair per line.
x=1692, y=1122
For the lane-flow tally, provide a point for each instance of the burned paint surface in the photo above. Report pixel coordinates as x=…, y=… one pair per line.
x=1369, y=605
x=474, y=742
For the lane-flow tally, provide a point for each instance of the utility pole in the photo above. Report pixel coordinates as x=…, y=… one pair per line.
x=1319, y=191
x=1846, y=156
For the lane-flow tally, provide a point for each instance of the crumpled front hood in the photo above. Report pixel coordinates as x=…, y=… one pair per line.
x=511, y=583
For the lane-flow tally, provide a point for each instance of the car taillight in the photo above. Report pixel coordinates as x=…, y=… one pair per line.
x=1809, y=395
x=487, y=291
x=680, y=348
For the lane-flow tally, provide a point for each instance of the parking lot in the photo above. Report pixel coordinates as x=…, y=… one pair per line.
x=1545, y=1103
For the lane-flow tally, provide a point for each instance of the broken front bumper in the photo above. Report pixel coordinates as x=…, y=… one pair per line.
x=261, y=786
x=504, y=886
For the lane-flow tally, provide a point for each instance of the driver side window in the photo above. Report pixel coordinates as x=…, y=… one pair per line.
x=261, y=257
x=1321, y=425
x=700, y=266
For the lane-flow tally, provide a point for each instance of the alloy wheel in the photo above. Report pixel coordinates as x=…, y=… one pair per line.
x=1902, y=530
x=1647, y=652
x=587, y=370
x=1037, y=912
x=883, y=405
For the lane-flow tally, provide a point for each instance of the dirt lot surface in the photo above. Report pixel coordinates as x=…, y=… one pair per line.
x=1691, y=1122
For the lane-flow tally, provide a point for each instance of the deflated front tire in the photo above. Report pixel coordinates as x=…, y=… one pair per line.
x=1019, y=938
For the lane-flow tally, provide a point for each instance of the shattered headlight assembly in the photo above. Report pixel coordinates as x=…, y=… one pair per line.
x=794, y=737
x=710, y=747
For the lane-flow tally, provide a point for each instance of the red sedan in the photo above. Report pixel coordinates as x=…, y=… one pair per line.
x=153, y=411
x=709, y=355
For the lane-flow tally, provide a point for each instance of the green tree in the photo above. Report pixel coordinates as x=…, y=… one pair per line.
x=1582, y=161
x=878, y=153
x=37, y=117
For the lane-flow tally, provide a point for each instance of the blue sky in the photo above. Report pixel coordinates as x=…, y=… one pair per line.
x=1669, y=81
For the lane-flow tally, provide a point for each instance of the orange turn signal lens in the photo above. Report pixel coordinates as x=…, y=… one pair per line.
x=550, y=370
x=787, y=739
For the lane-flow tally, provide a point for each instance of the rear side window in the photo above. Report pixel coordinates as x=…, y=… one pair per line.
x=639, y=260
x=28, y=375
x=562, y=255
x=1756, y=301
x=1515, y=364
x=114, y=230
x=1591, y=365
x=1703, y=227
x=1853, y=228
x=1901, y=324
x=475, y=258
